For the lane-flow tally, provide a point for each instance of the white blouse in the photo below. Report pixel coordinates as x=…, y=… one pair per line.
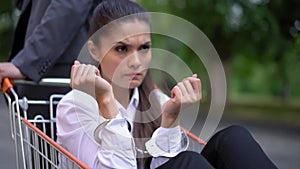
x=103, y=143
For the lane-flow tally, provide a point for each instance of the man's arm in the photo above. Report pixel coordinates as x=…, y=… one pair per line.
x=58, y=27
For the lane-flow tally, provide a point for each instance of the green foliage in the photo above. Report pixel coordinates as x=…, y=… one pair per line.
x=258, y=38
x=6, y=28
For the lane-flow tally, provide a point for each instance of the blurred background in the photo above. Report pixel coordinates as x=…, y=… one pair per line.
x=258, y=42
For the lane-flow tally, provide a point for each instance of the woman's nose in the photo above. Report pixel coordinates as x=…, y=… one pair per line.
x=134, y=61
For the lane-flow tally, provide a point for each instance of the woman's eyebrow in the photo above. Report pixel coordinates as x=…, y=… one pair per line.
x=122, y=43
x=147, y=43
x=129, y=45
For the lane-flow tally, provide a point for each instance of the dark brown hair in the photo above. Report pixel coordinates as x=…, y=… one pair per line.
x=112, y=10
x=106, y=12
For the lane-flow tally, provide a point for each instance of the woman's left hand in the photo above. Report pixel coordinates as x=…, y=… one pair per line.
x=185, y=93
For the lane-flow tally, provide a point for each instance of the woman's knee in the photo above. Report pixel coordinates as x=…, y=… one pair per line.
x=235, y=131
x=229, y=135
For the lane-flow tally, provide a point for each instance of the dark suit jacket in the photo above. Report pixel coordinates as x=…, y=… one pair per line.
x=49, y=36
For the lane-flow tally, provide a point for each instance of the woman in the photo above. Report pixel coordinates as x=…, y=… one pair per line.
x=116, y=117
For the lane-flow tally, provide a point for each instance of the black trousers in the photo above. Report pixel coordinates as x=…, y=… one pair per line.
x=230, y=148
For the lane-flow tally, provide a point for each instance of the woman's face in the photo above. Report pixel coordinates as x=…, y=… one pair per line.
x=127, y=54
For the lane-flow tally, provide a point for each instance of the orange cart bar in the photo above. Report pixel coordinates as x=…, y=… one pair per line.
x=35, y=149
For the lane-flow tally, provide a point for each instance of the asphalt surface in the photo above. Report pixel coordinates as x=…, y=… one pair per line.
x=280, y=142
x=7, y=148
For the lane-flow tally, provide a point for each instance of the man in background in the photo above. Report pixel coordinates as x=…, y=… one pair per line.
x=48, y=38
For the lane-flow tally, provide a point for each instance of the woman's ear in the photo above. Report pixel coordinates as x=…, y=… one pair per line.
x=93, y=49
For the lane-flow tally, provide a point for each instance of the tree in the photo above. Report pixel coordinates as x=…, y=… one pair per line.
x=263, y=31
x=6, y=28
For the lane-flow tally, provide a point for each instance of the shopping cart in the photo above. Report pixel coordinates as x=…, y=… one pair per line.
x=34, y=148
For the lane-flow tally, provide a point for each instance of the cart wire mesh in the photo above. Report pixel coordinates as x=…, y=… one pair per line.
x=35, y=146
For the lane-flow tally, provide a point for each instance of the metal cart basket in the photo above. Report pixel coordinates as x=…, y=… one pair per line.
x=34, y=148
x=34, y=143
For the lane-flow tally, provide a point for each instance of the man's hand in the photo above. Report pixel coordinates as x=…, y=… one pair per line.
x=7, y=69
x=185, y=93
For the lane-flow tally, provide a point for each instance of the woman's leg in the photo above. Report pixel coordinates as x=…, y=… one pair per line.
x=187, y=160
x=235, y=148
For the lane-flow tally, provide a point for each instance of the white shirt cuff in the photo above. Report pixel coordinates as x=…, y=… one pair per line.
x=114, y=135
x=167, y=142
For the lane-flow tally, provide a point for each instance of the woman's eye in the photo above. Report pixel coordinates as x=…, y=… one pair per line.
x=144, y=47
x=121, y=49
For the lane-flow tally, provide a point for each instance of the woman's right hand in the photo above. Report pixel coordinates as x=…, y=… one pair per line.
x=186, y=93
x=87, y=78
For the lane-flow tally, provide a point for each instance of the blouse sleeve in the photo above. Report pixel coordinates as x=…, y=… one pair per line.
x=98, y=142
x=166, y=142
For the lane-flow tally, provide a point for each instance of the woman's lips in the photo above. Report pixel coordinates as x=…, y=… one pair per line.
x=133, y=75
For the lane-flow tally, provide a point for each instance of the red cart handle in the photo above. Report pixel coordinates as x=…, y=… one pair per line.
x=194, y=137
x=7, y=85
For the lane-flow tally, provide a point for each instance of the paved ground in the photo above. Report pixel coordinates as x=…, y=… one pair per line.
x=281, y=143
x=7, y=151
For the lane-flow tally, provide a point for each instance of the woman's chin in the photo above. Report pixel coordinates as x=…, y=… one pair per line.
x=129, y=85
x=134, y=84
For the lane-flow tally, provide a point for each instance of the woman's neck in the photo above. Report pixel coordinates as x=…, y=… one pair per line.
x=122, y=95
